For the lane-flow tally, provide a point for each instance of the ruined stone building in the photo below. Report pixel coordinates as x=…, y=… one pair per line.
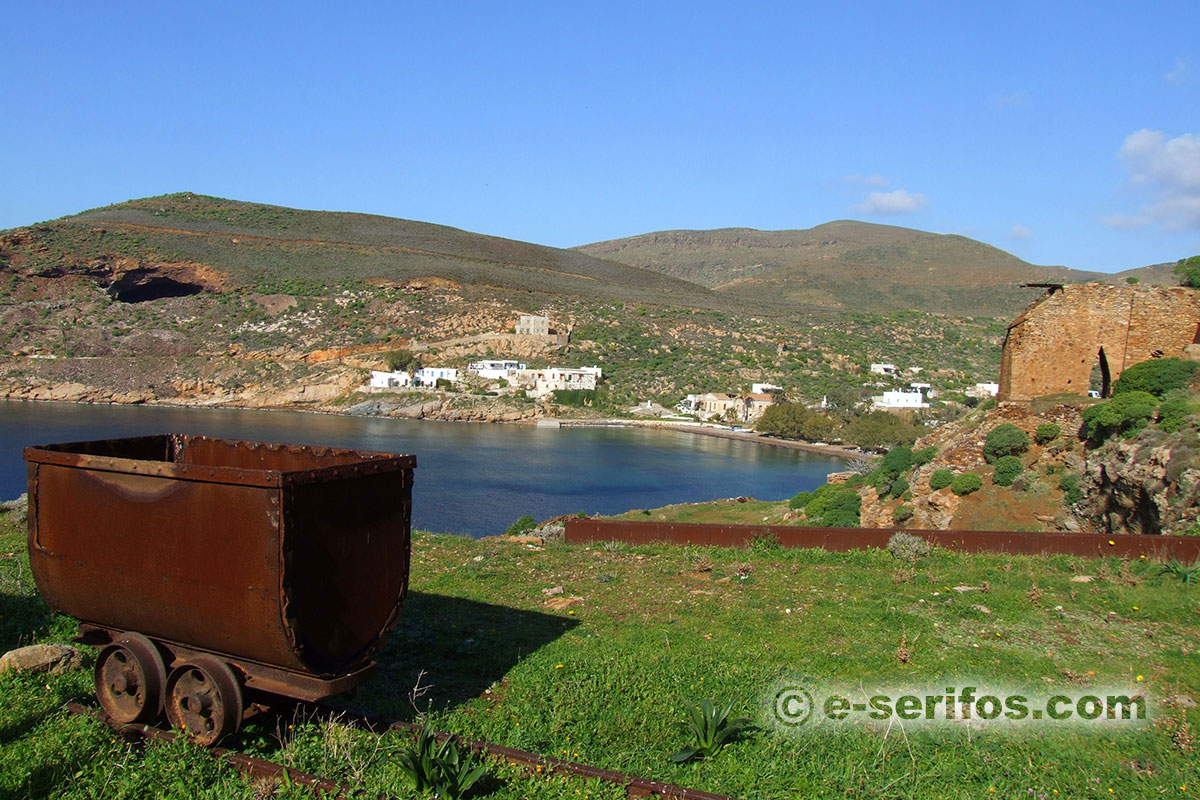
x=1056, y=343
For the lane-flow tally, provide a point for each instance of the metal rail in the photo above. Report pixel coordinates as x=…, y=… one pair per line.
x=839, y=540
x=261, y=768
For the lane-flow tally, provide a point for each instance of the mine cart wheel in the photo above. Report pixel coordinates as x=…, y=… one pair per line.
x=204, y=699
x=130, y=678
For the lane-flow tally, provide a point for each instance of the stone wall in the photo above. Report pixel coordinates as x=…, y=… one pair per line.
x=1054, y=344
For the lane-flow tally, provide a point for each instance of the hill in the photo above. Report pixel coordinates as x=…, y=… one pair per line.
x=252, y=245
x=844, y=264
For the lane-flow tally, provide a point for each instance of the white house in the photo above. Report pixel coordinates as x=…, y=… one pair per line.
x=689, y=404
x=555, y=379
x=494, y=370
x=891, y=401
x=764, y=388
x=982, y=391
x=883, y=369
x=390, y=380
x=429, y=376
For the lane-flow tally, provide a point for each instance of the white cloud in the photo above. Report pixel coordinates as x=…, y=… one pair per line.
x=1124, y=222
x=1169, y=169
x=1021, y=233
x=899, y=201
x=1178, y=72
x=867, y=180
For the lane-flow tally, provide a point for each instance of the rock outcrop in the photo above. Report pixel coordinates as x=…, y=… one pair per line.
x=1148, y=484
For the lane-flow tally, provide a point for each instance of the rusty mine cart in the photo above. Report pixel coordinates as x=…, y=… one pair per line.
x=205, y=568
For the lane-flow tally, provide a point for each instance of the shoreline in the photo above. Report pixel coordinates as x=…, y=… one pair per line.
x=835, y=451
x=750, y=437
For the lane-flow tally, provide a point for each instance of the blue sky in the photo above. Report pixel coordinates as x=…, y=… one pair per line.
x=1066, y=133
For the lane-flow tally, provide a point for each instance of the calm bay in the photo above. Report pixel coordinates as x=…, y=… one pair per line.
x=471, y=478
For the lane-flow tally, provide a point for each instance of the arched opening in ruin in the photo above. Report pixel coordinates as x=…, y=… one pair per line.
x=1101, y=378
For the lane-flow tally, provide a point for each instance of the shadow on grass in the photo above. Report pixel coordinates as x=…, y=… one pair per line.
x=23, y=618
x=456, y=649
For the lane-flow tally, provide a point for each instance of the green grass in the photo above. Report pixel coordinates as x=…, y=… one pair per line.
x=602, y=683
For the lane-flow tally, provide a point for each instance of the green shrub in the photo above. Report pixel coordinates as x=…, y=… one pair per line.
x=576, y=398
x=1158, y=376
x=800, y=500
x=1007, y=469
x=1123, y=414
x=901, y=514
x=899, y=487
x=940, y=479
x=897, y=461
x=834, y=506
x=1069, y=484
x=522, y=525
x=1046, y=433
x=924, y=456
x=965, y=483
x=1004, y=440
x=907, y=547
x=1188, y=270
x=1173, y=413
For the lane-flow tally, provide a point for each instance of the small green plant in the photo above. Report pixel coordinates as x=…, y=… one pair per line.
x=1186, y=573
x=924, y=455
x=439, y=769
x=765, y=543
x=711, y=728
x=1046, y=433
x=940, y=479
x=1069, y=484
x=1124, y=414
x=901, y=514
x=1007, y=469
x=966, y=483
x=522, y=526
x=1157, y=376
x=907, y=547
x=1004, y=440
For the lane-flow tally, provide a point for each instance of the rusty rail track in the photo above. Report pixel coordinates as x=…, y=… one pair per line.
x=840, y=540
x=255, y=767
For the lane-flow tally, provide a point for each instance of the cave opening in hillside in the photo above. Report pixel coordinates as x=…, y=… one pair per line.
x=139, y=286
x=1101, y=378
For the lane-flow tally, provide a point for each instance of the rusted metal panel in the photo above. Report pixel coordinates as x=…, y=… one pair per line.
x=1185, y=548
x=286, y=556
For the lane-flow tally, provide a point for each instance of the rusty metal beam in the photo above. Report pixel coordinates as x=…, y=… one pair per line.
x=839, y=540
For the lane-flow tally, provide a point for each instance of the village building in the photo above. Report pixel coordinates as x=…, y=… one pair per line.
x=764, y=388
x=541, y=382
x=389, y=380
x=429, y=376
x=532, y=325
x=884, y=369
x=983, y=391
x=899, y=400
x=494, y=370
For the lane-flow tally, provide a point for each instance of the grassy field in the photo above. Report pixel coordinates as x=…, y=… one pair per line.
x=483, y=654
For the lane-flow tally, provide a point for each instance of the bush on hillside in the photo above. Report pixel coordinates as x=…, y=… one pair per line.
x=902, y=514
x=1188, y=270
x=1069, y=484
x=899, y=487
x=924, y=456
x=1158, y=376
x=940, y=479
x=1173, y=413
x=800, y=500
x=796, y=421
x=1007, y=469
x=834, y=506
x=1123, y=415
x=1046, y=433
x=966, y=483
x=1004, y=440
x=898, y=460
x=522, y=526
